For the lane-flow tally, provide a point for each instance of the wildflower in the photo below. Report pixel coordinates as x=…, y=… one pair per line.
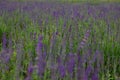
x=29, y=72
x=41, y=63
x=61, y=68
x=95, y=76
x=70, y=64
x=4, y=42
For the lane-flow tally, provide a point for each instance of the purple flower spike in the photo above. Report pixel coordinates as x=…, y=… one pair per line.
x=41, y=67
x=29, y=72
x=41, y=63
x=40, y=38
x=39, y=46
x=61, y=68
x=89, y=70
x=70, y=64
x=30, y=69
x=4, y=41
x=95, y=76
x=85, y=77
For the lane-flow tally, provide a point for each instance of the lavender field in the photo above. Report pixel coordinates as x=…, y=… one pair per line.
x=59, y=40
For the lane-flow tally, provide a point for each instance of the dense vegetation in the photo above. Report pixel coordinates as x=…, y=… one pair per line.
x=59, y=41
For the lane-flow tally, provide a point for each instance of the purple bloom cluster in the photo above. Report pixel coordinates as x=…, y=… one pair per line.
x=61, y=67
x=29, y=72
x=70, y=64
x=41, y=63
x=4, y=43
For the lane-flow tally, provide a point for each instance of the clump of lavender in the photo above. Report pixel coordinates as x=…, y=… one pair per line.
x=29, y=72
x=79, y=62
x=61, y=67
x=4, y=41
x=89, y=70
x=84, y=76
x=53, y=71
x=95, y=76
x=70, y=64
x=41, y=62
x=81, y=59
x=5, y=54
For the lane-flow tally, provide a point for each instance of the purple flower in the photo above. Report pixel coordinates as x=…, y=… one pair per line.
x=53, y=71
x=56, y=14
x=41, y=67
x=89, y=70
x=30, y=69
x=70, y=63
x=79, y=66
x=61, y=68
x=85, y=76
x=41, y=63
x=39, y=46
x=4, y=42
x=28, y=78
x=29, y=72
x=95, y=76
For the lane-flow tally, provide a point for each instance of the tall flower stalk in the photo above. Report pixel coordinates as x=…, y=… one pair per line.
x=41, y=61
x=61, y=68
x=29, y=72
x=70, y=65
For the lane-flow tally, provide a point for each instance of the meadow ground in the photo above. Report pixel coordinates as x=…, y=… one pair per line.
x=67, y=40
